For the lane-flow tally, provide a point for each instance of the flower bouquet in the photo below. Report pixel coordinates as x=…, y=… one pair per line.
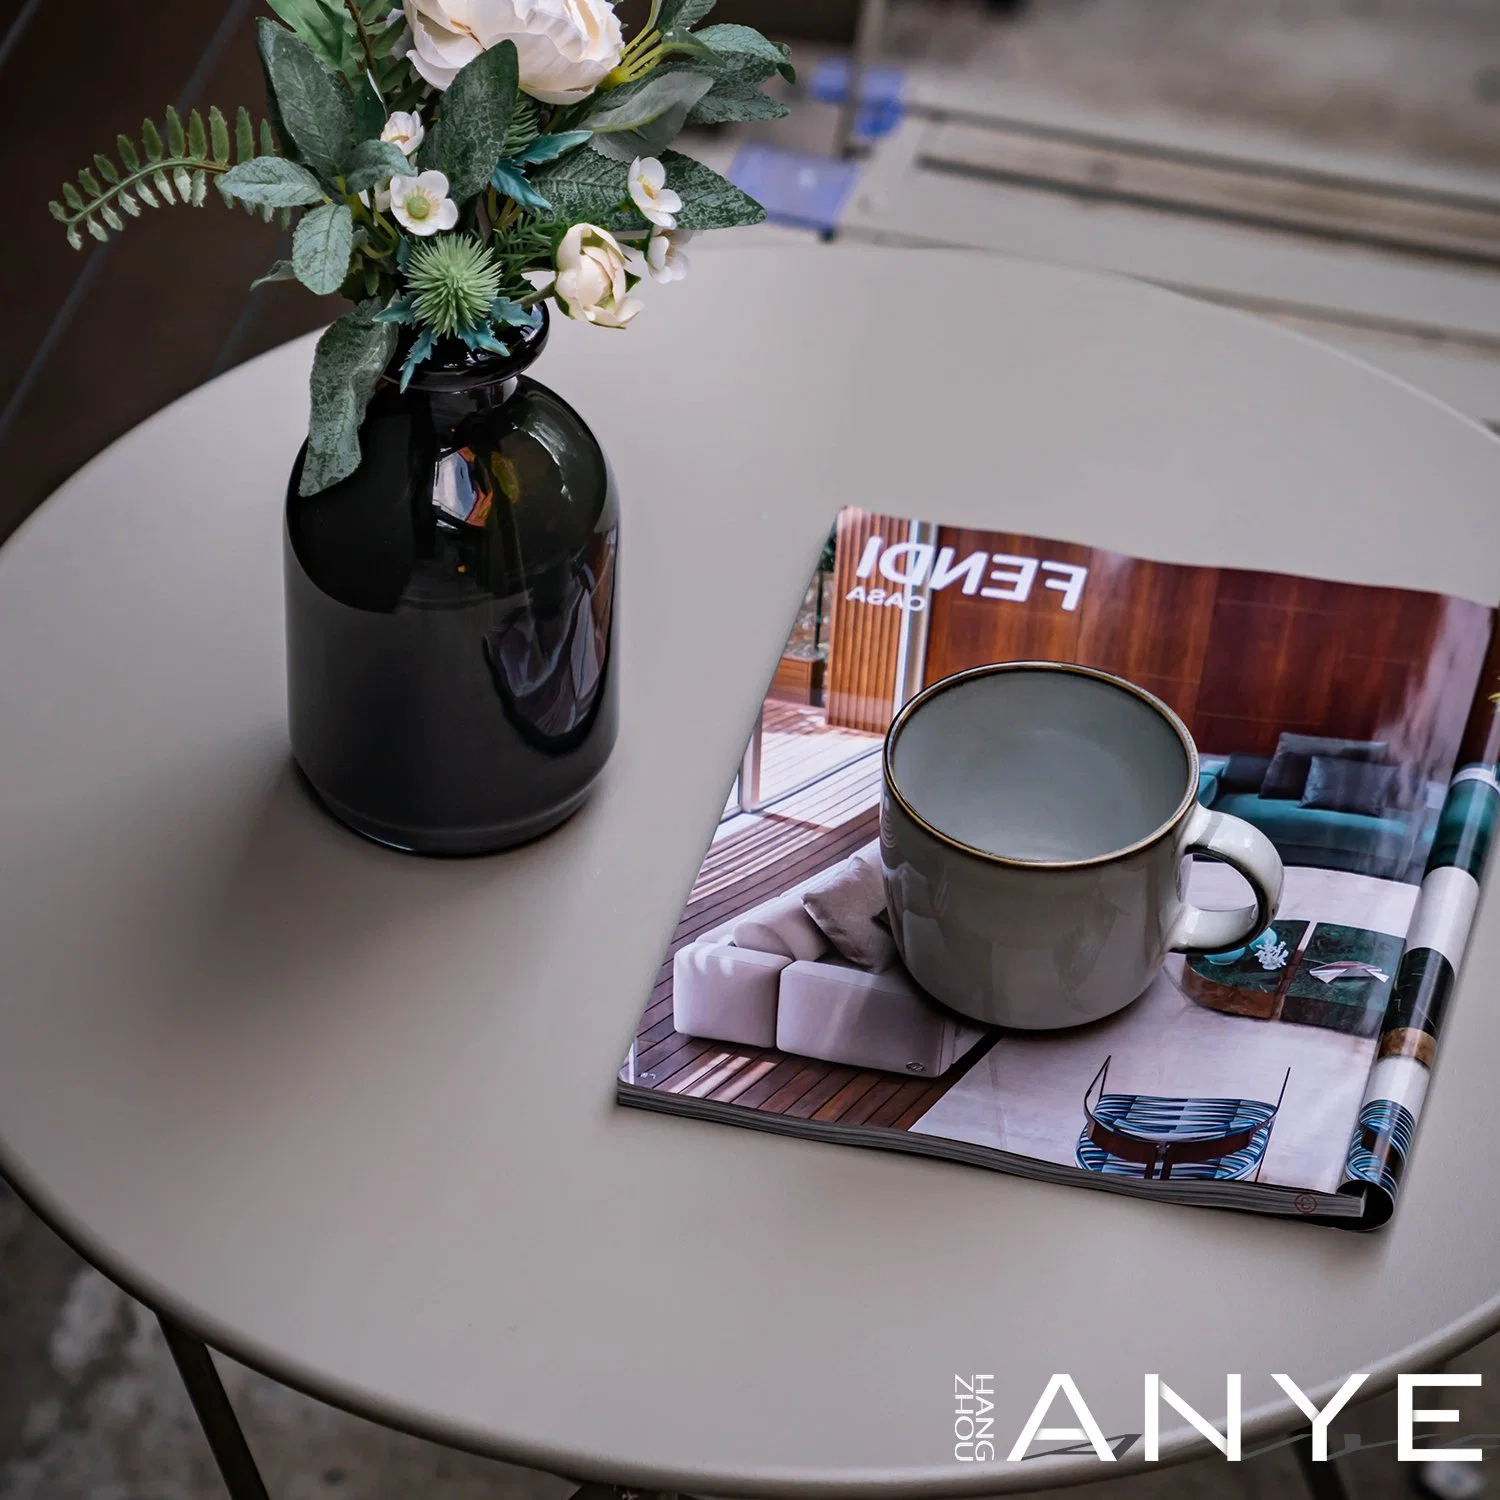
x=450, y=165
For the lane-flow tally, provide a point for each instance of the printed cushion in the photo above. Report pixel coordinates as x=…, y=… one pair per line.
x=1349, y=786
x=1244, y=773
x=1287, y=774
x=848, y=904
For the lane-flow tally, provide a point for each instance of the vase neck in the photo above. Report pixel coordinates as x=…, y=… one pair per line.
x=453, y=370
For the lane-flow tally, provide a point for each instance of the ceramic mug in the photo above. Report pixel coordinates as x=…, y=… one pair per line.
x=1034, y=826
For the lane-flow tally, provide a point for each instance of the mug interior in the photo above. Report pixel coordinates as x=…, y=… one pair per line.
x=1040, y=764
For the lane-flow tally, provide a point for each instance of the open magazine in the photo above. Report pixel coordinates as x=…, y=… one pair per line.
x=1354, y=725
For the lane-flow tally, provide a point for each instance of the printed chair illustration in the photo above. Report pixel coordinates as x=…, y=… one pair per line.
x=1151, y=1135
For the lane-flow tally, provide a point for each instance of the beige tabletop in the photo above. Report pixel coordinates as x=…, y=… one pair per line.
x=349, y=1114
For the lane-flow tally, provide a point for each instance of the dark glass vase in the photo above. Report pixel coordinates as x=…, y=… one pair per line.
x=450, y=612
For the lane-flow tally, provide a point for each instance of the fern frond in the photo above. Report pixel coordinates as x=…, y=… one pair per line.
x=171, y=164
x=522, y=129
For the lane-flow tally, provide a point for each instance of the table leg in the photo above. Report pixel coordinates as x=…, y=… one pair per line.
x=220, y=1425
x=1323, y=1480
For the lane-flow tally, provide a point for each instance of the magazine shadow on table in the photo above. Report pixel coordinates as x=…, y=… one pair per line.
x=1352, y=724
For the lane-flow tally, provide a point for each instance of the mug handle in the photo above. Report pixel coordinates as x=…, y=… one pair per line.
x=1245, y=848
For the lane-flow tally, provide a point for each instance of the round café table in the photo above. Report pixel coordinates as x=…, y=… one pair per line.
x=348, y=1115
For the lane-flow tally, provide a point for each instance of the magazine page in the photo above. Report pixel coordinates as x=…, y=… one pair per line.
x=1284, y=1074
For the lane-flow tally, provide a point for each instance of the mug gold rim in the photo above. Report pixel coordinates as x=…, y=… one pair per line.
x=907, y=709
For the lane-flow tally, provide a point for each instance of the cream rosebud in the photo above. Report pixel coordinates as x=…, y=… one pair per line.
x=591, y=278
x=405, y=131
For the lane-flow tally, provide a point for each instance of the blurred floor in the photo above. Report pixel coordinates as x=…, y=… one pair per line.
x=90, y=1408
x=1416, y=78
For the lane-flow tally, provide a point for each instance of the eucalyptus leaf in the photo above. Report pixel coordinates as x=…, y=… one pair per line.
x=585, y=187
x=273, y=181
x=550, y=147
x=732, y=102
x=469, y=137
x=314, y=109
x=708, y=200
x=373, y=162
x=506, y=179
x=281, y=270
x=321, y=248
x=348, y=363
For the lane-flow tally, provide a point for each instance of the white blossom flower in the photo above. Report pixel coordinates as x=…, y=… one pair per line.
x=650, y=193
x=591, y=278
x=405, y=131
x=564, y=48
x=665, y=260
x=421, y=203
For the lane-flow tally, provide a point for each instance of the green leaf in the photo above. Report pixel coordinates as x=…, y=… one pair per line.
x=152, y=139
x=322, y=246
x=128, y=153
x=469, y=137
x=708, y=201
x=281, y=270
x=732, y=102
x=72, y=197
x=684, y=44
x=550, y=147
x=176, y=139
x=419, y=351
x=90, y=183
x=314, y=106
x=218, y=129
x=635, y=104
x=273, y=180
x=682, y=13
x=322, y=26
x=745, y=56
x=57, y=210
x=244, y=135
x=350, y=359
x=111, y=218
x=506, y=179
x=375, y=162
x=106, y=168
x=197, y=137
x=585, y=187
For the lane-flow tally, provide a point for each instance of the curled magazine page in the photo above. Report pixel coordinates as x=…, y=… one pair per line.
x=897, y=941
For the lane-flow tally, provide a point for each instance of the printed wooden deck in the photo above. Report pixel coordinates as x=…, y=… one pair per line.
x=755, y=856
x=796, y=745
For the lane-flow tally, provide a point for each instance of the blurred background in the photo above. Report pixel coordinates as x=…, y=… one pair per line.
x=1333, y=165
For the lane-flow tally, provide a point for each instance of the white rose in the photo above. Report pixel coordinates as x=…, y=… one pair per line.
x=591, y=282
x=564, y=47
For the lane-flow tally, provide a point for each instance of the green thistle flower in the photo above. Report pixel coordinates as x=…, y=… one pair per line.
x=453, y=280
